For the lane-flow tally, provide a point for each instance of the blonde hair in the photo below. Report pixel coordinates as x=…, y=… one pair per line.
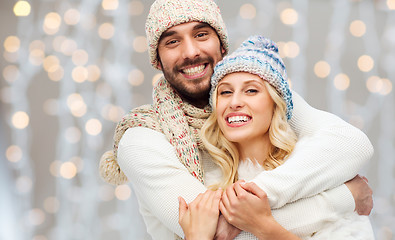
x=225, y=153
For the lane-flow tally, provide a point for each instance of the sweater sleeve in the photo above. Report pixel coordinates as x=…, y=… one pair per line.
x=328, y=153
x=158, y=178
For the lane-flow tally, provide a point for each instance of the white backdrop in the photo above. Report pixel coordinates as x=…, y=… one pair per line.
x=71, y=68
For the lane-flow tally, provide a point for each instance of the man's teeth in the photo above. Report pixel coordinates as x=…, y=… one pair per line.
x=194, y=70
x=238, y=119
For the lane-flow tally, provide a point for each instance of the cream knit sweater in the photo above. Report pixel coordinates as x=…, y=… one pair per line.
x=328, y=153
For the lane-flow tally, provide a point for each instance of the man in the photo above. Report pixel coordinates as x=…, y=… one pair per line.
x=159, y=149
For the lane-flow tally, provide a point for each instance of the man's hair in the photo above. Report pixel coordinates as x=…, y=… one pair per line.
x=165, y=14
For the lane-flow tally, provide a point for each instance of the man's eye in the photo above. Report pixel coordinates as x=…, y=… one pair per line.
x=201, y=34
x=171, y=42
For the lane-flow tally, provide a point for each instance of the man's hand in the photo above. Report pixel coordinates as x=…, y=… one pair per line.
x=362, y=193
x=225, y=231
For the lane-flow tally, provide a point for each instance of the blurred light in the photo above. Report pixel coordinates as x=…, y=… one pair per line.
x=56, y=75
x=322, y=69
x=123, y=192
x=106, y=193
x=36, y=57
x=20, y=120
x=110, y=4
x=51, y=107
x=11, y=73
x=12, y=44
x=357, y=28
x=51, y=205
x=391, y=4
x=52, y=23
x=68, y=47
x=14, y=153
x=76, y=105
x=22, y=9
x=37, y=44
x=289, y=16
x=136, y=77
x=281, y=46
x=140, y=44
x=93, y=127
x=79, y=74
x=72, y=134
x=36, y=217
x=93, y=73
x=68, y=170
x=106, y=31
x=374, y=84
x=57, y=43
x=72, y=16
x=54, y=168
x=291, y=49
x=341, y=81
x=156, y=78
x=78, y=162
x=80, y=57
x=387, y=86
x=103, y=90
x=248, y=11
x=23, y=184
x=112, y=112
x=51, y=63
x=136, y=8
x=365, y=63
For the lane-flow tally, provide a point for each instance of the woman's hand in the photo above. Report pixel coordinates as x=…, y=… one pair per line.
x=199, y=219
x=246, y=206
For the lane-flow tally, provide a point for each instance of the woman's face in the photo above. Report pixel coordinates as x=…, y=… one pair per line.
x=244, y=108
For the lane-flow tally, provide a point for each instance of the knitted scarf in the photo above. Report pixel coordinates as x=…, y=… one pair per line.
x=179, y=121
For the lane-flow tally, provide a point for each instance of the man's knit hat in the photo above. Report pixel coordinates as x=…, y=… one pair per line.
x=257, y=55
x=165, y=14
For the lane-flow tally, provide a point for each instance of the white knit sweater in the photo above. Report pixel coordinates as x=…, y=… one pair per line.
x=328, y=153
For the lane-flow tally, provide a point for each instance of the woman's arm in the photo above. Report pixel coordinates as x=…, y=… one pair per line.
x=246, y=206
x=328, y=153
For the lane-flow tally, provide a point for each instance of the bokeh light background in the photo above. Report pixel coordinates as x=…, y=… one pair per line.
x=71, y=68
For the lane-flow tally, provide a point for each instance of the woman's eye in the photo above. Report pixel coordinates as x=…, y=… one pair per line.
x=252, y=90
x=225, y=92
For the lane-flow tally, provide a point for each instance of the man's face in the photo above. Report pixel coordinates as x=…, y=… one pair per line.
x=188, y=53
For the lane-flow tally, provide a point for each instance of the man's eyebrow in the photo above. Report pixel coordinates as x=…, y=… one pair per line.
x=196, y=27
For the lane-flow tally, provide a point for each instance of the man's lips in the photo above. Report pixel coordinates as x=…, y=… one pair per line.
x=195, y=71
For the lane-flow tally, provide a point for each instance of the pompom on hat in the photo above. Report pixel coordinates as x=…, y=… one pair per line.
x=257, y=55
x=165, y=14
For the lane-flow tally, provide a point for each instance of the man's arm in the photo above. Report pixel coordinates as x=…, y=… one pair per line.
x=328, y=153
x=151, y=164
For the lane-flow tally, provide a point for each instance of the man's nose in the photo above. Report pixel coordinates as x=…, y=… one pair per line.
x=190, y=49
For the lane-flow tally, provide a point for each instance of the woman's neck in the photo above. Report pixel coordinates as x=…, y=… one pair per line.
x=257, y=150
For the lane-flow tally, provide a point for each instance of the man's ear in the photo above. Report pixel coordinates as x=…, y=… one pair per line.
x=159, y=65
x=222, y=50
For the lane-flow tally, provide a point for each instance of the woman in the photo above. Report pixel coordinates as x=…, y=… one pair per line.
x=248, y=133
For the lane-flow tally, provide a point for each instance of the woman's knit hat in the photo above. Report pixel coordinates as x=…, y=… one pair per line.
x=257, y=55
x=165, y=14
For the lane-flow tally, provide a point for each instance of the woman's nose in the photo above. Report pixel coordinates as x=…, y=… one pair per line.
x=236, y=102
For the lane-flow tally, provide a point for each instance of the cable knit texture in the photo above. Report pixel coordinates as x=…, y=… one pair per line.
x=179, y=121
